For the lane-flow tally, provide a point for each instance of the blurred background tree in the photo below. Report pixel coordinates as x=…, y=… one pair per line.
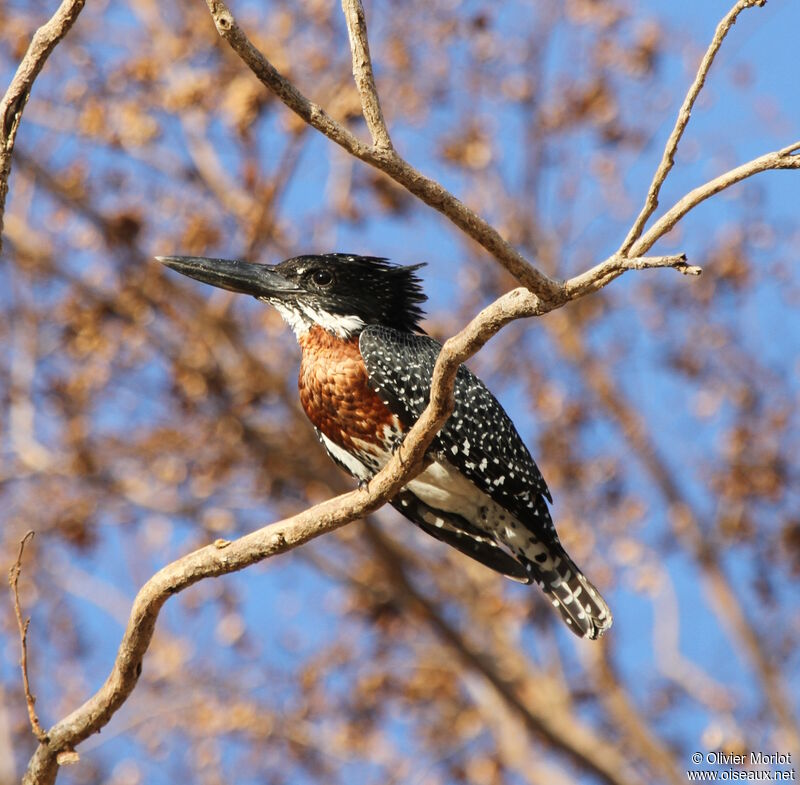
x=143, y=416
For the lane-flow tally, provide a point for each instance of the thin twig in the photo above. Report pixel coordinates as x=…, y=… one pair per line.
x=605, y=272
x=42, y=44
x=782, y=159
x=685, y=112
x=22, y=626
x=362, y=73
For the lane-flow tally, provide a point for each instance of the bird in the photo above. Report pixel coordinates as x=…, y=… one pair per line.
x=365, y=376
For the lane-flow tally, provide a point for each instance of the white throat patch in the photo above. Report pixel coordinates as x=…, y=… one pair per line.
x=301, y=318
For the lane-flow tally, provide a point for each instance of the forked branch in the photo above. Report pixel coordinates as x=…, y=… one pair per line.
x=684, y=113
x=787, y=158
x=385, y=159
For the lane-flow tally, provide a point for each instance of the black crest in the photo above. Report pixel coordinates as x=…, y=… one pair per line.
x=369, y=287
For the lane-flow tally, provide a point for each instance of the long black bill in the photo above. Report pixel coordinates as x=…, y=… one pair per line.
x=259, y=280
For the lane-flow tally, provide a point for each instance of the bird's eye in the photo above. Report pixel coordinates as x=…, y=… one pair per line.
x=321, y=277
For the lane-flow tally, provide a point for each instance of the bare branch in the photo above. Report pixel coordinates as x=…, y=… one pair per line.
x=668, y=159
x=224, y=557
x=22, y=626
x=550, y=293
x=362, y=73
x=385, y=159
x=42, y=44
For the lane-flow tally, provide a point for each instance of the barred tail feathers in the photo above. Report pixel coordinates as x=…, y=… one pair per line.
x=580, y=604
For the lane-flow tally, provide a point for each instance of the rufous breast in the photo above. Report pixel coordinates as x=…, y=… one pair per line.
x=335, y=392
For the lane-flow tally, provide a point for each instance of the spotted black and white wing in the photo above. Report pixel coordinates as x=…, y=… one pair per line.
x=479, y=438
x=480, y=443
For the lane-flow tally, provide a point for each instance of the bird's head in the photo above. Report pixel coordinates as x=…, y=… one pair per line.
x=342, y=293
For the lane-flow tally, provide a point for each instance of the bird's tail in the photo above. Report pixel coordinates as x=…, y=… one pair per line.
x=580, y=604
